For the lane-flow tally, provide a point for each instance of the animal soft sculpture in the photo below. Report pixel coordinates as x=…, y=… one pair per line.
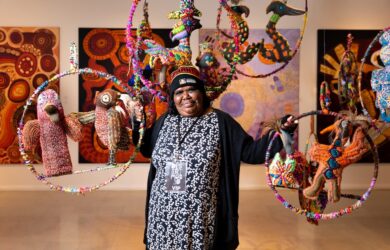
x=111, y=122
x=50, y=130
x=333, y=158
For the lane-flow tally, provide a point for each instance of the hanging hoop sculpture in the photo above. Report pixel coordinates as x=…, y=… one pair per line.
x=278, y=52
x=180, y=55
x=331, y=215
x=74, y=70
x=380, y=78
x=177, y=56
x=134, y=48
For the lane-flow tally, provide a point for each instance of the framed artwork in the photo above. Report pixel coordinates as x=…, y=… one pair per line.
x=28, y=57
x=251, y=101
x=331, y=46
x=104, y=49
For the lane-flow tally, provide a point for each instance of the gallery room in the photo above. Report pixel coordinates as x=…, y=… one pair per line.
x=183, y=124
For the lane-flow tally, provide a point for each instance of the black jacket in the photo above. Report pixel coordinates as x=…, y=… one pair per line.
x=236, y=146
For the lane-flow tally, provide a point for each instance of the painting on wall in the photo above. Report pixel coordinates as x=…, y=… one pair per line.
x=28, y=57
x=251, y=101
x=104, y=49
x=331, y=46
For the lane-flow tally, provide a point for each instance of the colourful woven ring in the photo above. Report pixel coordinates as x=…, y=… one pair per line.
x=43, y=178
x=331, y=215
x=368, y=50
x=325, y=100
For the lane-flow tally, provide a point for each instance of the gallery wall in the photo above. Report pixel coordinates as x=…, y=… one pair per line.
x=72, y=14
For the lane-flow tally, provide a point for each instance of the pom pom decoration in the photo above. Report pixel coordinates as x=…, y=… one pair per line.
x=307, y=211
x=71, y=127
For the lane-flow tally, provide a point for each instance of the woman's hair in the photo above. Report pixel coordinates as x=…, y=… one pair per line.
x=206, y=101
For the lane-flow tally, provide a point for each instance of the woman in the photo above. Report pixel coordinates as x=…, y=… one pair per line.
x=193, y=183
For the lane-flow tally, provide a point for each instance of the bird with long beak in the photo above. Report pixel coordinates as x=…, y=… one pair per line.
x=279, y=50
x=50, y=130
x=280, y=8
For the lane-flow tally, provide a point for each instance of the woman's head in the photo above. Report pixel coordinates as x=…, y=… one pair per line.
x=187, y=93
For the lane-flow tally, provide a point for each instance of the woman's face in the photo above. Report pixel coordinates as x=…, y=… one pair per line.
x=188, y=101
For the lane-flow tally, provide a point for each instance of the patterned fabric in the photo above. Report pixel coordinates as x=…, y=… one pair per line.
x=185, y=220
x=380, y=80
x=289, y=172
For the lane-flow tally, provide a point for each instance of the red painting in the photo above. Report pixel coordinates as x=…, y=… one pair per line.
x=104, y=49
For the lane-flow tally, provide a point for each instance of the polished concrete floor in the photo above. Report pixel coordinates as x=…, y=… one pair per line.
x=113, y=220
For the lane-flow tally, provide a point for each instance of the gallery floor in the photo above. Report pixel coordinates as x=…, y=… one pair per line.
x=113, y=220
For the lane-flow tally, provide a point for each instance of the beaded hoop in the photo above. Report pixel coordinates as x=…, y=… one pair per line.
x=325, y=100
x=332, y=215
x=295, y=51
x=44, y=179
x=360, y=75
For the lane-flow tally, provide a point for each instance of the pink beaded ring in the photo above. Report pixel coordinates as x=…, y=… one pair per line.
x=74, y=70
x=331, y=215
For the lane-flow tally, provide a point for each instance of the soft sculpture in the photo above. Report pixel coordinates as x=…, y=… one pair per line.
x=288, y=173
x=181, y=31
x=111, y=120
x=279, y=50
x=380, y=80
x=50, y=130
x=332, y=160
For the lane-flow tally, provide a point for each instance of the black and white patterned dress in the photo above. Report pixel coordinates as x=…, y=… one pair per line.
x=185, y=219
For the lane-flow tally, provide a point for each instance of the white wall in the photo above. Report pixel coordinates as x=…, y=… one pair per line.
x=71, y=14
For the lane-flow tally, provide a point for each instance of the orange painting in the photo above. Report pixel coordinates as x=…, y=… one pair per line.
x=28, y=57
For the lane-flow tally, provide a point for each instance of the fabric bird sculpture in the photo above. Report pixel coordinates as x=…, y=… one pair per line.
x=111, y=122
x=50, y=130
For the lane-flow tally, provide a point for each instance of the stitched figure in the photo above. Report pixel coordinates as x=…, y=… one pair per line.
x=50, y=130
x=332, y=160
x=111, y=120
x=280, y=50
